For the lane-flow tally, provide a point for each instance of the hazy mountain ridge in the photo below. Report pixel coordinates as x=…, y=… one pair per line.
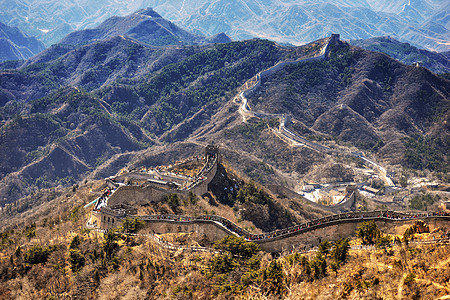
x=145, y=26
x=15, y=45
x=422, y=23
x=404, y=52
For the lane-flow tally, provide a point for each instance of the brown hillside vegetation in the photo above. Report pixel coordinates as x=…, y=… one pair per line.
x=50, y=254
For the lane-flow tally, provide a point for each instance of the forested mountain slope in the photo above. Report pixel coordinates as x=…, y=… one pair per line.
x=16, y=45
x=115, y=102
x=404, y=52
x=108, y=98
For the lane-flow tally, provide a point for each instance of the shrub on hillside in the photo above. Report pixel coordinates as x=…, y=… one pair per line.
x=423, y=201
x=76, y=260
x=237, y=246
x=340, y=250
x=132, y=225
x=368, y=232
x=38, y=254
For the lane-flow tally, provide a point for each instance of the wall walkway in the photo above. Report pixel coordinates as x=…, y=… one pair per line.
x=300, y=236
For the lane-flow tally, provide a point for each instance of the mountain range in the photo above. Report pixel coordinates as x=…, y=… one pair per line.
x=421, y=23
x=404, y=52
x=16, y=45
x=137, y=92
x=88, y=110
x=146, y=26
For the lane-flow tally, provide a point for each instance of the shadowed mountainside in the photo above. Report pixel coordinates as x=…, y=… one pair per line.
x=16, y=45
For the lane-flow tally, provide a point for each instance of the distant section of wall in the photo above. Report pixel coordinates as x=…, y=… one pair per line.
x=336, y=209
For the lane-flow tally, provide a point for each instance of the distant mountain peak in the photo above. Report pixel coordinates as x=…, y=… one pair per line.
x=145, y=26
x=219, y=38
x=148, y=12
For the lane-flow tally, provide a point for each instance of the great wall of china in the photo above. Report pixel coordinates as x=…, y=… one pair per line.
x=111, y=208
x=142, y=188
x=300, y=237
x=120, y=204
x=254, y=83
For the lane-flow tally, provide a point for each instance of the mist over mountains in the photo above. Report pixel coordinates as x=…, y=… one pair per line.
x=421, y=23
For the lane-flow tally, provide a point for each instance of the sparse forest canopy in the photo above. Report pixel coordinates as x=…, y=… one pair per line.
x=424, y=153
x=227, y=67
x=423, y=201
x=251, y=193
x=237, y=246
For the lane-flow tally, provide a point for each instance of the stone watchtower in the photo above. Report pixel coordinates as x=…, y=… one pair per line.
x=335, y=38
x=211, y=150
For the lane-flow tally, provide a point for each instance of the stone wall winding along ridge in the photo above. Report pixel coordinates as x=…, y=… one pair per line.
x=299, y=236
x=245, y=110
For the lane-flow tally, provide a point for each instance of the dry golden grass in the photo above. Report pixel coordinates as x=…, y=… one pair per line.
x=376, y=274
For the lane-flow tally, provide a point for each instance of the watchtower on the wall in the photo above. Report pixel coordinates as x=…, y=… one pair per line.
x=335, y=38
x=211, y=150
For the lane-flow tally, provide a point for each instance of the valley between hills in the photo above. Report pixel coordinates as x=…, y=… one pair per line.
x=139, y=160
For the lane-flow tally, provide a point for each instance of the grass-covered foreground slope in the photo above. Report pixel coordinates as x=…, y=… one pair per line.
x=48, y=253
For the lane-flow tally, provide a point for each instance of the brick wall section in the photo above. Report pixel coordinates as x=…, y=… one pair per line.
x=299, y=241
